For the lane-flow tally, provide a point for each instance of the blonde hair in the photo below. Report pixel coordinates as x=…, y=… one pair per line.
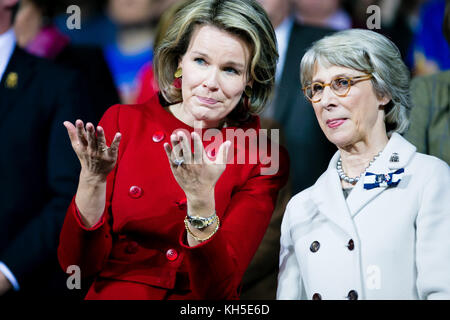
x=372, y=53
x=244, y=18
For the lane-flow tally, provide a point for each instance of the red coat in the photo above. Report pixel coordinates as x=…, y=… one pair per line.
x=138, y=249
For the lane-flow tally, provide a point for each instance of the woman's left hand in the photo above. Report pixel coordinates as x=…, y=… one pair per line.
x=198, y=174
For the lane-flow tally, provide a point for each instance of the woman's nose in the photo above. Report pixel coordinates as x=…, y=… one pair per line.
x=211, y=81
x=328, y=97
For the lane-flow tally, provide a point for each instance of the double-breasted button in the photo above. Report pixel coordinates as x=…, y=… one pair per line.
x=182, y=203
x=158, y=136
x=317, y=296
x=132, y=247
x=314, y=246
x=171, y=254
x=352, y=295
x=135, y=192
x=351, y=245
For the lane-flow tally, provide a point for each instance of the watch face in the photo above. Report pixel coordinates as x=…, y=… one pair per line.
x=197, y=223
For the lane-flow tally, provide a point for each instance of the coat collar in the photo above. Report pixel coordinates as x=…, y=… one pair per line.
x=327, y=192
x=396, y=149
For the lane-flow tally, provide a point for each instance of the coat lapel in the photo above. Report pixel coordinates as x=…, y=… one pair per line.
x=14, y=80
x=327, y=192
x=397, y=153
x=328, y=196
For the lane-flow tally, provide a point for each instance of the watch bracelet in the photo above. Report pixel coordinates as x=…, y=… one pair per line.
x=186, y=224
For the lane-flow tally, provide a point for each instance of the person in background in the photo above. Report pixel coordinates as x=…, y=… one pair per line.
x=38, y=170
x=125, y=29
x=430, y=52
x=429, y=130
x=288, y=112
x=147, y=83
x=375, y=224
x=96, y=27
x=37, y=34
x=136, y=22
x=151, y=219
x=397, y=20
x=322, y=13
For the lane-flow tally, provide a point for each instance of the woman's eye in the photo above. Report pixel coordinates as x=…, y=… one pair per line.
x=200, y=61
x=317, y=87
x=231, y=70
x=342, y=82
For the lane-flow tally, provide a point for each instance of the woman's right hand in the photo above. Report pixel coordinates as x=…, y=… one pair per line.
x=97, y=161
x=96, y=158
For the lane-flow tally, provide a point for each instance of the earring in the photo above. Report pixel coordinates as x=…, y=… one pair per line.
x=178, y=73
x=248, y=91
x=177, y=81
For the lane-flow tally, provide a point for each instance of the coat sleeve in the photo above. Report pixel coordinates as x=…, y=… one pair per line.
x=433, y=241
x=89, y=248
x=289, y=277
x=217, y=265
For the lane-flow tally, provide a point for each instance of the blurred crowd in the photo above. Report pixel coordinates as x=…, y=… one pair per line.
x=126, y=30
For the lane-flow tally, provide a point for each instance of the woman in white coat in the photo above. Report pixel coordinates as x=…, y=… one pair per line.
x=376, y=224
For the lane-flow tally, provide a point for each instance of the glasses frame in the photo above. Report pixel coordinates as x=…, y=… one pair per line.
x=351, y=81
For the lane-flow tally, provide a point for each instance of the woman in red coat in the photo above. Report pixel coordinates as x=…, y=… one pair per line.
x=177, y=205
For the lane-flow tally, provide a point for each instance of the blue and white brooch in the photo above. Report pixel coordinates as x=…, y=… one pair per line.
x=384, y=180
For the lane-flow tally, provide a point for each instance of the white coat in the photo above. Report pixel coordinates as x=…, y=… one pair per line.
x=400, y=236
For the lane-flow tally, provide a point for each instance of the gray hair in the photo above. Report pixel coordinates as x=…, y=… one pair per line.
x=372, y=53
x=244, y=18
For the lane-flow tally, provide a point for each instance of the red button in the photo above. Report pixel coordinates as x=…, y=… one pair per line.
x=171, y=254
x=158, y=136
x=135, y=192
x=181, y=203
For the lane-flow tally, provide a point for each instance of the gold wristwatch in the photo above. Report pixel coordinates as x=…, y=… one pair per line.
x=201, y=222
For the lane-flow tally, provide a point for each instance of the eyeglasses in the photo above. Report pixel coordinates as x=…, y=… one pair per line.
x=340, y=86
